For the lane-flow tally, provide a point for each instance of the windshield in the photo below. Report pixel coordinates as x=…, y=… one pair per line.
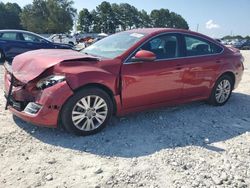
x=114, y=45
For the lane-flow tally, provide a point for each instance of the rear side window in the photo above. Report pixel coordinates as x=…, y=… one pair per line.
x=196, y=46
x=31, y=38
x=9, y=36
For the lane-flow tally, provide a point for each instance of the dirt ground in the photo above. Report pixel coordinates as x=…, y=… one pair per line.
x=194, y=145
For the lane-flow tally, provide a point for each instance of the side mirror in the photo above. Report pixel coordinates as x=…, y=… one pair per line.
x=144, y=55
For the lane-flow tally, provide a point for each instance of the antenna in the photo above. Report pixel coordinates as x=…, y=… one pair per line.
x=197, y=28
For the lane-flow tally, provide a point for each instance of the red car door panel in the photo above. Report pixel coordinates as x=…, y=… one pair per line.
x=202, y=64
x=151, y=82
x=199, y=76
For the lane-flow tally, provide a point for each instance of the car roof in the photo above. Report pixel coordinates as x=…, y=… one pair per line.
x=155, y=31
x=21, y=31
x=15, y=30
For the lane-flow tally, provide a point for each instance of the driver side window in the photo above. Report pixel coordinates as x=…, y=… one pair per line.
x=164, y=47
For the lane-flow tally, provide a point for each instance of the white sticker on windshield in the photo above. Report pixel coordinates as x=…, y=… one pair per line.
x=137, y=35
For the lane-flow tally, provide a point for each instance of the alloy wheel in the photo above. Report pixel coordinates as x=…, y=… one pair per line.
x=89, y=113
x=223, y=91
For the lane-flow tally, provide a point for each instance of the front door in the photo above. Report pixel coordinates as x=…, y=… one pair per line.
x=147, y=83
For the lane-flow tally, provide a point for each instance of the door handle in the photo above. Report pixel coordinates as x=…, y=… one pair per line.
x=218, y=61
x=178, y=67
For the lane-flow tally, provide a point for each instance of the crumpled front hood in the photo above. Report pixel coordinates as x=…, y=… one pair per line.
x=30, y=65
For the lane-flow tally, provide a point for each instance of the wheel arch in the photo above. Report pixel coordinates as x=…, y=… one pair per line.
x=102, y=87
x=90, y=85
x=2, y=51
x=230, y=74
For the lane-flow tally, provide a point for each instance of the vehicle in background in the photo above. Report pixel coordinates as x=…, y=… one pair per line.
x=218, y=40
x=85, y=39
x=63, y=38
x=90, y=38
x=124, y=73
x=225, y=42
x=244, y=45
x=15, y=42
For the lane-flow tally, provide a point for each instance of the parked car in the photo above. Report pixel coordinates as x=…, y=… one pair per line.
x=63, y=38
x=218, y=40
x=15, y=42
x=123, y=73
x=245, y=45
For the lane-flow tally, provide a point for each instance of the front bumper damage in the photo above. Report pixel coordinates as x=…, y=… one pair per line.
x=40, y=107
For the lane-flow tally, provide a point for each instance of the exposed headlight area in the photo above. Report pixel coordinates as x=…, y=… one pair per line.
x=50, y=81
x=32, y=108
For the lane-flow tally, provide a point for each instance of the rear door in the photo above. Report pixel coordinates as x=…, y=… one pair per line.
x=33, y=42
x=202, y=65
x=146, y=83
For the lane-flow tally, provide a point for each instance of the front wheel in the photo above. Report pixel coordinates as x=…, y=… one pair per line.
x=222, y=91
x=2, y=57
x=87, y=112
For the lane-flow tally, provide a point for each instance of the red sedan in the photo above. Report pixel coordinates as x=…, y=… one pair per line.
x=123, y=73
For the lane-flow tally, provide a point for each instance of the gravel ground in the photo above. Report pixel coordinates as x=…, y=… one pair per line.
x=194, y=145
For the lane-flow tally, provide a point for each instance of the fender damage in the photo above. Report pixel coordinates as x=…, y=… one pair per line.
x=47, y=102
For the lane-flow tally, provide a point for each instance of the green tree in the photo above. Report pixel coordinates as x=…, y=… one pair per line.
x=34, y=17
x=84, y=20
x=96, y=26
x=10, y=11
x=117, y=15
x=177, y=21
x=111, y=18
x=160, y=18
x=145, y=20
x=48, y=16
x=106, y=17
x=229, y=37
x=129, y=16
x=60, y=15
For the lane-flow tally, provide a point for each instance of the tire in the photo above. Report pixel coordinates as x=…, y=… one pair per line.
x=2, y=56
x=225, y=82
x=83, y=119
x=71, y=43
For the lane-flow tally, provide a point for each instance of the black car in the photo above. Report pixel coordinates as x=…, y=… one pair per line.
x=243, y=46
x=15, y=42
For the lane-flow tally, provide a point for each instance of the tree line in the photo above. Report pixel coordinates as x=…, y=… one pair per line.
x=110, y=18
x=239, y=37
x=42, y=16
x=58, y=16
x=10, y=16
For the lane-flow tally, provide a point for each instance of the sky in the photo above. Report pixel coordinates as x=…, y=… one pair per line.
x=215, y=18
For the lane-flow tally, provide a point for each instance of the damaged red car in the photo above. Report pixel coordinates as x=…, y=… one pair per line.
x=123, y=73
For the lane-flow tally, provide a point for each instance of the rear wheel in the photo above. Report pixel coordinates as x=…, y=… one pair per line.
x=222, y=91
x=87, y=112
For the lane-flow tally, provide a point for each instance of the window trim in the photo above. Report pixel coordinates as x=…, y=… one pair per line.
x=181, y=37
